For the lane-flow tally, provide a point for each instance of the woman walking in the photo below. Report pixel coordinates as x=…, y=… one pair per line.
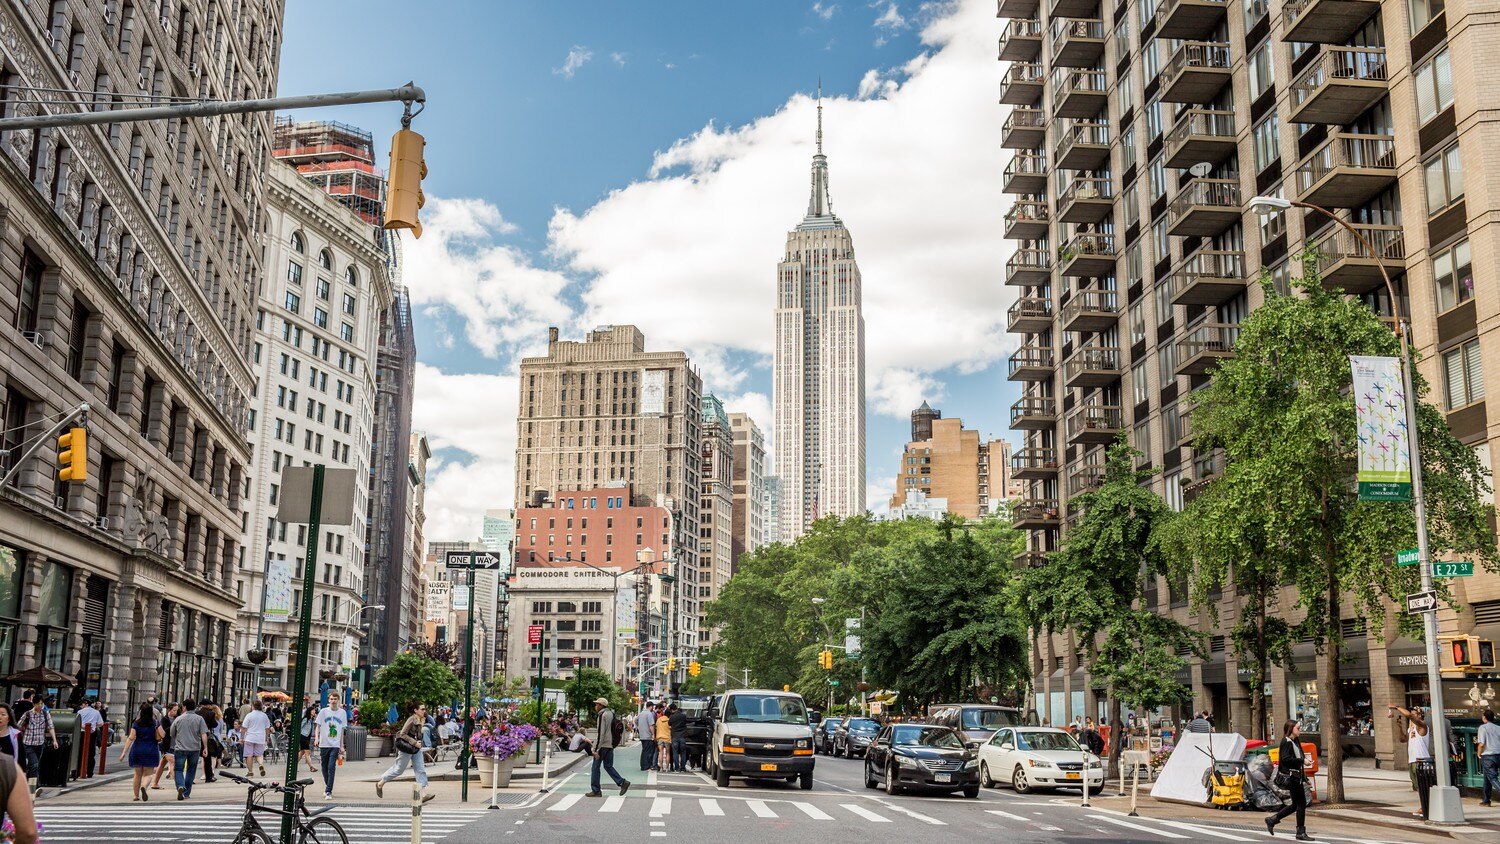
x=254, y=736
x=1289, y=774
x=142, y=750
x=308, y=730
x=408, y=752
x=214, y=718
x=10, y=737
x=166, y=748
x=663, y=740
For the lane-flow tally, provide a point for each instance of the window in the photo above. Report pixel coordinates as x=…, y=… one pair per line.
x=1444, y=174
x=298, y=245
x=1423, y=11
x=294, y=273
x=1127, y=148
x=1137, y=321
x=323, y=289
x=1173, y=494
x=1138, y=382
x=346, y=333
x=1142, y=437
x=352, y=277
x=1125, y=95
x=1153, y=117
x=1130, y=202
x=1272, y=223
x=29, y=306
x=1454, y=275
x=1434, y=86
x=349, y=304
x=1463, y=375
x=1254, y=11
x=293, y=302
x=1158, y=176
x=320, y=318
x=1166, y=363
x=325, y=259
x=1161, y=242
x=1262, y=68
x=1267, y=142
x=77, y=339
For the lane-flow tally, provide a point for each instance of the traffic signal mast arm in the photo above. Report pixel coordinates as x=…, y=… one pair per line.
x=407, y=93
x=78, y=414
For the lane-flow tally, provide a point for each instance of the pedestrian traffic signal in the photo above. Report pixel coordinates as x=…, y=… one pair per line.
x=404, y=182
x=694, y=668
x=1471, y=653
x=73, y=455
x=786, y=687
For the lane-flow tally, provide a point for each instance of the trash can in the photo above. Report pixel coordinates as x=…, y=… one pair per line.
x=354, y=743
x=58, y=763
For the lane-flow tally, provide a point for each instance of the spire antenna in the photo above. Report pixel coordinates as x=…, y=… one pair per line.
x=820, y=115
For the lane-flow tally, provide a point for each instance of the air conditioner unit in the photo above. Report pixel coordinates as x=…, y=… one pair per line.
x=203, y=198
x=194, y=69
x=109, y=17
x=193, y=182
x=74, y=75
x=60, y=502
x=35, y=338
x=102, y=523
x=166, y=22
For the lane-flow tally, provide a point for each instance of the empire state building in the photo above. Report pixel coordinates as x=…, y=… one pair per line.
x=819, y=382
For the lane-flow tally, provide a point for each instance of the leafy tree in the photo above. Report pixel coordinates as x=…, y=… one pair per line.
x=500, y=687
x=1283, y=412
x=413, y=678
x=586, y=685
x=447, y=653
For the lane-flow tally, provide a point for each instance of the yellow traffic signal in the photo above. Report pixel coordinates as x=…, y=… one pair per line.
x=825, y=660
x=786, y=687
x=694, y=668
x=73, y=455
x=672, y=663
x=404, y=182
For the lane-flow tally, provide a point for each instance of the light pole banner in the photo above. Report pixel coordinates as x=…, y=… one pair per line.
x=439, y=600
x=277, y=602
x=1380, y=422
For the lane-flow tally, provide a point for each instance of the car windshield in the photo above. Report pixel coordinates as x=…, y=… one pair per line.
x=765, y=709
x=863, y=725
x=989, y=719
x=925, y=737
x=1046, y=740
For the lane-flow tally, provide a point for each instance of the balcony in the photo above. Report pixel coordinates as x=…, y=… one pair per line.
x=1091, y=310
x=1086, y=475
x=1077, y=42
x=1345, y=263
x=1325, y=21
x=1207, y=277
x=1340, y=85
x=1026, y=173
x=1031, y=363
x=1086, y=200
x=1073, y=9
x=1027, y=219
x=1022, y=84
x=1204, y=207
x=1080, y=93
x=1034, y=464
x=1083, y=146
x=1348, y=170
x=1029, y=560
x=1092, y=366
x=1205, y=346
x=1036, y=513
x=1188, y=18
x=1018, y=8
x=1088, y=255
x=1029, y=315
x=1201, y=135
x=1196, y=73
x=1025, y=128
x=1207, y=466
x=1021, y=41
x=1094, y=423
x=1029, y=268
x=1034, y=413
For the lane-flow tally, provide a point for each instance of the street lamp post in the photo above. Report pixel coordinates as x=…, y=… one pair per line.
x=1445, y=806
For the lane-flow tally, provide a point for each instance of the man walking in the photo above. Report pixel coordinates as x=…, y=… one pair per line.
x=1488, y=742
x=332, y=722
x=677, y=720
x=610, y=730
x=189, y=743
x=36, y=730
x=645, y=726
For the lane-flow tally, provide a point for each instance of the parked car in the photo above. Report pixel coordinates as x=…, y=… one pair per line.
x=977, y=721
x=760, y=734
x=1036, y=757
x=823, y=735
x=921, y=756
x=853, y=737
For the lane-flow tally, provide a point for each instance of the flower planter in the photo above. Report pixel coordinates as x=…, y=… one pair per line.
x=490, y=769
x=526, y=754
x=373, y=745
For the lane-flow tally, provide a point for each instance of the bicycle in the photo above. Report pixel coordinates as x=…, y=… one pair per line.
x=308, y=826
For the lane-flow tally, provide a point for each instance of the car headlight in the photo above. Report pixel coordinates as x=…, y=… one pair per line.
x=971, y=764
x=1096, y=765
x=1040, y=763
x=802, y=743
x=734, y=741
x=907, y=762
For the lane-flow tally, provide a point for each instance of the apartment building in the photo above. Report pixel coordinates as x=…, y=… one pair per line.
x=1141, y=130
x=944, y=461
x=749, y=529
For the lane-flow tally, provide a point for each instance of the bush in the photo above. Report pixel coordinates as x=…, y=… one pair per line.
x=413, y=678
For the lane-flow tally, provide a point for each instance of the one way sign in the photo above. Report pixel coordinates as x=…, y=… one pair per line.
x=1420, y=602
x=483, y=560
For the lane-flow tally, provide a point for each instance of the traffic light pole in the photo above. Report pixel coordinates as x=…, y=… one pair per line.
x=540, y=670
x=407, y=93
x=464, y=752
x=79, y=413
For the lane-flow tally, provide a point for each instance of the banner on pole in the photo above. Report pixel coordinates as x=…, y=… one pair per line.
x=439, y=594
x=1380, y=424
x=278, y=597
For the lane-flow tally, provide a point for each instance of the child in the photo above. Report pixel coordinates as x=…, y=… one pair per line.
x=232, y=749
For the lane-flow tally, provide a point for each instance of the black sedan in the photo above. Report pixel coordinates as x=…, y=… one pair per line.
x=823, y=735
x=853, y=737
x=921, y=756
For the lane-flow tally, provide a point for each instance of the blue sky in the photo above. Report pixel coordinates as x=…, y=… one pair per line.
x=607, y=162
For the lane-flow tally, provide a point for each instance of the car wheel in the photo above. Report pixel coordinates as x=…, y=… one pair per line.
x=870, y=781
x=972, y=791
x=721, y=776
x=1019, y=782
x=984, y=776
x=807, y=781
x=890, y=781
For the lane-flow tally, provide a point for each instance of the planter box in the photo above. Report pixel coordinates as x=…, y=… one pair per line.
x=490, y=769
x=377, y=746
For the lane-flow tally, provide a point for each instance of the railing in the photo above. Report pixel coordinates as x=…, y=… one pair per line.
x=1091, y=359
x=1036, y=509
x=1094, y=417
x=1167, y=7
x=1339, y=244
x=1216, y=193
x=1207, y=465
x=1208, y=337
x=1085, y=475
x=1029, y=259
x=1294, y=9
x=1212, y=263
x=1020, y=28
x=1069, y=80
x=1022, y=72
x=1026, y=164
x=1031, y=357
x=1212, y=55
x=1089, y=187
x=1033, y=407
x=1030, y=306
x=1090, y=299
x=1028, y=211
x=1366, y=64
x=1201, y=122
x=1033, y=458
x=1344, y=149
x=1065, y=28
x=1083, y=132
x=1025, y=118
x=1087, y=243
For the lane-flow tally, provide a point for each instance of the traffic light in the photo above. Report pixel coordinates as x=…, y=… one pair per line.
x=73, y=455
x=786, y=687
x=671, y=663
x=404, y=182
x=1471, y=653
x=694, y=668
x=825, y=660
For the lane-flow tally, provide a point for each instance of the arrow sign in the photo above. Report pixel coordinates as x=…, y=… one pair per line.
x=456, y=559
x=1420, y=602
x=486, y=560
x=482, y=560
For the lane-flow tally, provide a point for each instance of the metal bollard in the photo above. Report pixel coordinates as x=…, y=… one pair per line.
x=1135, y=786
x=416, y=813
x=546, y=766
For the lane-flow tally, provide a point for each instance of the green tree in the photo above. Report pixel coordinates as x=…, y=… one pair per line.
x=412, y=678
x=1283, y=412
x=586, y=685
x=447, y=653
x=501, y=687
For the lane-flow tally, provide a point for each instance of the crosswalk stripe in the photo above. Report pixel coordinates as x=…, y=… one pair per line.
x=711, y=807
x=612, y=804
x=1206, y=830
x=565, y=803
x=760, y=808
x=813, y=811
x=914, y=815
x=1135, y=826
x=1008, y=815
x=865, y=813
x=661, y=807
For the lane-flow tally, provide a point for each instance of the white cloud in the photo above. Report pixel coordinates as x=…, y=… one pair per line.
x=824, y=10
x=874, y=85
x=619, y=58
x=898, y=391
x=577, y=57
x=758, y=405
x=891, y=18
x=470, y=424
x=878, y=495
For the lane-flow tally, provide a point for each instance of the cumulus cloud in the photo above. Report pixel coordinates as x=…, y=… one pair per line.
x=577, y=58
x=469, y=419
x=824, y=10
x=874, y=85
x=898, y=391
x=890, y=19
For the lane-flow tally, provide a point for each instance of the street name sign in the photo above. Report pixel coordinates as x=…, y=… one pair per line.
x=1420, y=602
x=1462, y=568
x=1409, y=557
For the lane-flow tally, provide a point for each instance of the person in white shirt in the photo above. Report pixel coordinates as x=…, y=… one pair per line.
x=254, y=736
x=89, y=716
x=332, y=723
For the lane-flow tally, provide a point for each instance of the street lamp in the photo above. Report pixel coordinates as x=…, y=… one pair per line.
x=1445, y=804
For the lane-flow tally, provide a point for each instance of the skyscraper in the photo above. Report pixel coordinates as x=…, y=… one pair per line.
x=819, y=381
x=749, y=487
x=716, y=503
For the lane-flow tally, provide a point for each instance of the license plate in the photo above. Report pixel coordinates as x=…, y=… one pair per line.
x=944, y=778
x=768, y=766
x=1073, y=775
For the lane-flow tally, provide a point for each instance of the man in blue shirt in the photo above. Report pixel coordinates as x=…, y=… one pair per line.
x=1488, y=741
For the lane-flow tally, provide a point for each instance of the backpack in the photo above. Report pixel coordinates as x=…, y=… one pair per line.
x=616, y=729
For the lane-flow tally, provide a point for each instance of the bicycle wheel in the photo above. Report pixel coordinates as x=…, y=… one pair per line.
x=323, y=831
x=253, y=836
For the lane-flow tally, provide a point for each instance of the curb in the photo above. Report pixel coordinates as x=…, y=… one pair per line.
x=80, y=785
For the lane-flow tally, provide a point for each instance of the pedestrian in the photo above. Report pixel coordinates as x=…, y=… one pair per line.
x=1488, y=742
x=15, y=803
x=1289, y=775
x=305, y=732
x=189, y=737
x=677, y=720
x=142, y=750
x=1200, y=723
x=254, y=737
x=213, y=718
x=1420, y=763
x=645, y=729
x=610, y=731
x=10, y=737
x=408, y=741
x=168, y=762
x=91, y=721
x=332, y=723
x=36, y=731
x=1090, y=739
x=663, y=739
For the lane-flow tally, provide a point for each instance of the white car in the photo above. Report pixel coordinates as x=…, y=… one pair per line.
x=1036, y=757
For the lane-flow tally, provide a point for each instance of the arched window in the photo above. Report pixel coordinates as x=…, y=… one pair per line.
x=325, y=259
x=297, y=244
x=351, y=276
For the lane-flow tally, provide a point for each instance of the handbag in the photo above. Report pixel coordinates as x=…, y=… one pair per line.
x=1283, y=779
x=406, y=744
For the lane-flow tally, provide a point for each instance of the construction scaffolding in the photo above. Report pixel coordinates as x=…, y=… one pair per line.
x=336, y=157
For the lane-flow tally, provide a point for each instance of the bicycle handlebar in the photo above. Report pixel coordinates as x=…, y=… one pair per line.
x=268, y=786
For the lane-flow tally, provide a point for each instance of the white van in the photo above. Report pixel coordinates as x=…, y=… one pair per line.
x=760, y=734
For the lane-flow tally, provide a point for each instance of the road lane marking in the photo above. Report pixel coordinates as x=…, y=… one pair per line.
x=909, y=813
x=711, y=807
x=661, y=806
x=1008, y=815
x=813, y=811
x=760, y=808
x=865, y=813
x=1137, y=827
x=1205, y=830
x=565, y=803
x=612, y=804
